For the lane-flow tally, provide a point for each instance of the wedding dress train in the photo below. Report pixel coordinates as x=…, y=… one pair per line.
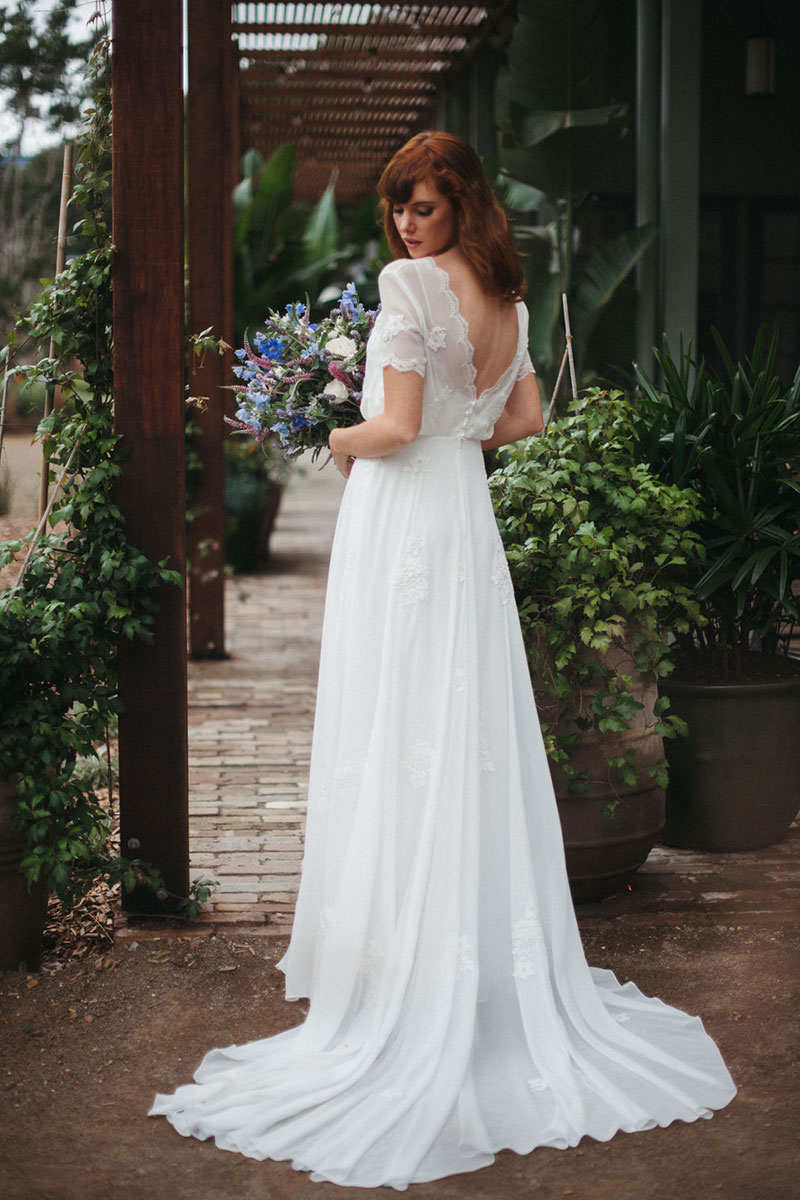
x=452, y=1012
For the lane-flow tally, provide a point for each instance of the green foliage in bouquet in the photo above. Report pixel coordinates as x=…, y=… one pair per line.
x=599, y=549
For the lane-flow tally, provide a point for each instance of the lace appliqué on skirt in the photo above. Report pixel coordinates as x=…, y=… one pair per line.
x=527, y=942
x=418, y=764
x=410, y=579
x=501, y=576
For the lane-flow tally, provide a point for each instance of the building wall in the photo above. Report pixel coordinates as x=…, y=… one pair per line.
x=749, y=143
x=749, y=260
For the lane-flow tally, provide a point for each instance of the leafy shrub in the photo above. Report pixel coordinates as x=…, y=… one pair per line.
x=599, y=550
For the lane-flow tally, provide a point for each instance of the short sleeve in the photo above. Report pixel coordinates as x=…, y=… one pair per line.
x=401, y=326
x=526, y=367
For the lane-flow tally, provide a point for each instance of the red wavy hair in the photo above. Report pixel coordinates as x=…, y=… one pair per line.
x=454, y=168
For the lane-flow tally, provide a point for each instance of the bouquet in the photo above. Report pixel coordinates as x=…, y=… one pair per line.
x=300, y=380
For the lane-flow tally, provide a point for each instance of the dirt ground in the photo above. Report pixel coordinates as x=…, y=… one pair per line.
x=85, y=1047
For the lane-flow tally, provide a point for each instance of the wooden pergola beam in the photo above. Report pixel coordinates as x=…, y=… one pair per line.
x=210, y=304
x=147, y=166
x=362, y=141
x=405, y=29
x=374, y=71
x=342, y=54
x=281, y=98
x=394, y=83
x=354, y=122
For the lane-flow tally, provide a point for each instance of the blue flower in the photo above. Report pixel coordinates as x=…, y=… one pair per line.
x=245, y=373
x=241, y=354
x=349, y=303
x=299, y=309
x=247, y=418
x=269, y=347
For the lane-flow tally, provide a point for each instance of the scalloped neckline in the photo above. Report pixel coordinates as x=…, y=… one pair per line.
x=465, y=338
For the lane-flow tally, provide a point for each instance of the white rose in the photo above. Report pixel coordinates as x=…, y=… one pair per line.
x=341, y=347
x=336, y=391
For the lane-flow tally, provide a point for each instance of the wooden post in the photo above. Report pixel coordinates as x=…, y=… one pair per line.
x=210, y=299
x=149, y=377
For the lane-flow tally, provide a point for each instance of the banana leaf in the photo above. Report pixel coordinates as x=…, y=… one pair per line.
x=602, y=275
x=531, y=128
x=556, y=54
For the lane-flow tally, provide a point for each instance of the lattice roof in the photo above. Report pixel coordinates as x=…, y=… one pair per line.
x=349, y=83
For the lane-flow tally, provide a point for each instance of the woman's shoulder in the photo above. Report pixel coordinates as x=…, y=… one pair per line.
x=406, y=270
x=403, y=277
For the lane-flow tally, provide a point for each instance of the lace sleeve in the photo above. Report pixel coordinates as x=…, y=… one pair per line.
x=526, y=367
x=401, y=332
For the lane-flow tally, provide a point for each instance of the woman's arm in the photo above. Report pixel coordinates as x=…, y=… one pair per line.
x=395, y=427
x=521, y=417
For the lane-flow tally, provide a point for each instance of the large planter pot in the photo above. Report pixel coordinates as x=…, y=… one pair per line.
x=22, y=911
x=250, y=520
x=603, y=853
x=734, y=782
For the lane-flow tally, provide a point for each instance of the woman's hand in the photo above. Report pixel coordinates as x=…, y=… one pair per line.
x=343, y=462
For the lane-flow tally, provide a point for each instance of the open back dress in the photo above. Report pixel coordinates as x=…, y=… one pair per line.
x=452, y=1011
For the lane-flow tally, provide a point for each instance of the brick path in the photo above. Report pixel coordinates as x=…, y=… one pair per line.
x=251, y=717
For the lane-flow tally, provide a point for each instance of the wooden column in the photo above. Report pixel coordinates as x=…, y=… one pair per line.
x=149, y=376
x=210, y=304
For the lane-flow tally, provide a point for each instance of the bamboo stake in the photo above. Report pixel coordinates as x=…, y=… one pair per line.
x=40, y=528
x=61, y=258
x=566, y=357
x=552, y=406
x=568, y=329
x=3, y=399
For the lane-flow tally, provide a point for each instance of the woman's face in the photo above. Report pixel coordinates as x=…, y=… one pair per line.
x=426, y=222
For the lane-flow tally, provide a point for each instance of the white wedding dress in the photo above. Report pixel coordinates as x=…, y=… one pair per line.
x=452, y=1011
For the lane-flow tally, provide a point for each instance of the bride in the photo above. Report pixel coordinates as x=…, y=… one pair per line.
x=452, y=1012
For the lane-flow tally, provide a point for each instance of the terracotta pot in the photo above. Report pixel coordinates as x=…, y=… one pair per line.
x=734, y=782
x=603, y=853
x=22, y=911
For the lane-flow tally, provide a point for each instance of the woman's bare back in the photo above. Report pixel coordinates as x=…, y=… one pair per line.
x=492, y=322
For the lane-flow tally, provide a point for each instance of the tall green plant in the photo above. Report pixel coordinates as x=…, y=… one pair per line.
x=734, y=436
x=558, y=126
x=85, y=587
x=284, y=250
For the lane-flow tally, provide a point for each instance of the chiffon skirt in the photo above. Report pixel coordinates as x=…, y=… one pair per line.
x=452, y=1012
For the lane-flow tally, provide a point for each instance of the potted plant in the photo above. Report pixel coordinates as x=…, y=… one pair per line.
x=255, y=475
x=733, y=435
x=596, y=545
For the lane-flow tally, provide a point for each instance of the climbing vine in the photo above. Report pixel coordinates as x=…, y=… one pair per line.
x=83, y=587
